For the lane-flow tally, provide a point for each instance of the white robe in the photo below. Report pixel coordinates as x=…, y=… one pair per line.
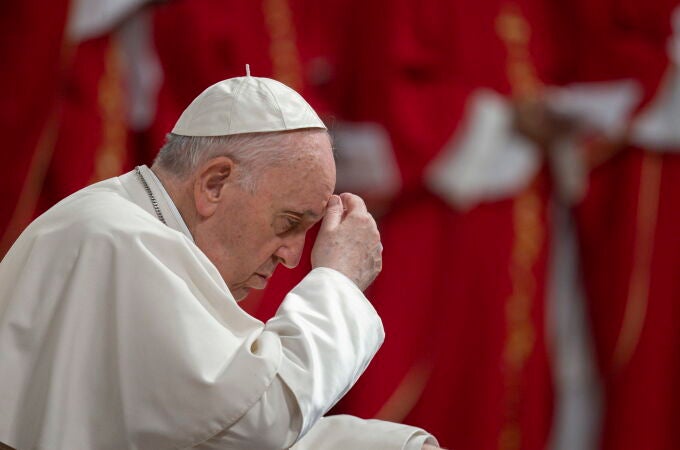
x=117, y=332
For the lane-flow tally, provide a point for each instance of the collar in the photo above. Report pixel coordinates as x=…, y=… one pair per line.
x=170, y=212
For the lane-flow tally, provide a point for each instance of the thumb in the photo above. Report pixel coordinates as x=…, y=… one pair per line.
x=333, y=214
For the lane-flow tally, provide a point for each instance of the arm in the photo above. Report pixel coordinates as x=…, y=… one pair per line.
x=345, y=432
x=329, y=433
x=328, y=333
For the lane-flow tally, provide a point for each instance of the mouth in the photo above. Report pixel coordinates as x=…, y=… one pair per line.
x=261, y=280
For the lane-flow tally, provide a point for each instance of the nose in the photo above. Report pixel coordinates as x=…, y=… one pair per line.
x=290, y=250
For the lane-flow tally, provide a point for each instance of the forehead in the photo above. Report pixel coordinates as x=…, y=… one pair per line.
x=303, y=182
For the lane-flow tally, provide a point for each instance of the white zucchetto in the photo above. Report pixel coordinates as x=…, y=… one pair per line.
x=246, y=105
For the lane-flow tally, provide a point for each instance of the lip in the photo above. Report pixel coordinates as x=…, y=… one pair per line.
x=261, y=281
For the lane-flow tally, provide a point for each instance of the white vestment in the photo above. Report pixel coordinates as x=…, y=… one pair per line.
x=117, y=332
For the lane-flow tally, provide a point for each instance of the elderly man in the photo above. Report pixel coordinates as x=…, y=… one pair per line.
x=119, y=326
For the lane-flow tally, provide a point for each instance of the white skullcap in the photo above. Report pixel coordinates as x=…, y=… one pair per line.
x=246, y=105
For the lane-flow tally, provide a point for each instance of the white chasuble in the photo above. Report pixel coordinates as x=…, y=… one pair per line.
x=117, y=332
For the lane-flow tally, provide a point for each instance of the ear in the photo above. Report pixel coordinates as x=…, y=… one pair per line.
x=210, y=184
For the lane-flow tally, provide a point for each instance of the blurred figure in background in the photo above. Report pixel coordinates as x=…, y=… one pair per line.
x=462, y=294
x=32, y=70
x=626, y=60
x=82, y=81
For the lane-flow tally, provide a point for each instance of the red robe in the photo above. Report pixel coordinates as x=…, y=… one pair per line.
x=461, y=294
x=92, y=141
x=630, y=251
x=31, y=47
x=67, y=114
x=201, y=42
x=630, y=246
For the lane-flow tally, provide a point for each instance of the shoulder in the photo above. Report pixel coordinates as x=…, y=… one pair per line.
x=100, y=226
x=101, y=212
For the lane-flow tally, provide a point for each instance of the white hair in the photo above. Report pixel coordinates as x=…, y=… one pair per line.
x=254, y=152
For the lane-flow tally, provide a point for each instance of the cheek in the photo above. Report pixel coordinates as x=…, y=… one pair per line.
x=242, y=244
x=223, y=261
x=223, y=245
x=253, y=250
x=261, y=255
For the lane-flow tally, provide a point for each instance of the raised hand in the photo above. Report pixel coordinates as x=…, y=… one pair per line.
x=349, y=241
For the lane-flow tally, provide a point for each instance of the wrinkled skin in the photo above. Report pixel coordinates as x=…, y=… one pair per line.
x=247, y=234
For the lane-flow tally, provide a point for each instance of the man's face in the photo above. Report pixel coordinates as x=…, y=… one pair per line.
x=252, y=232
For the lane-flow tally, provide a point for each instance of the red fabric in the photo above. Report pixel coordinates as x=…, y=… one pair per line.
x=31, y=51
x=467, y=402
x=92, y=119
x=62, y=99
x=618, y=39
x=201, y=42
x=641, y=394
x=446, y=281
x=628, y=39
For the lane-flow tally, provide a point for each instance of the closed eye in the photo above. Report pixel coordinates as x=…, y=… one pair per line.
x=286, y=224
x=292, y=223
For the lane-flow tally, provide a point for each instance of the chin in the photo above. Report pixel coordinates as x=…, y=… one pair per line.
x=241, y=290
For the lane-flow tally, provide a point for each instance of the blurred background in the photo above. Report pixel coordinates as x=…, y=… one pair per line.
x=521, y=158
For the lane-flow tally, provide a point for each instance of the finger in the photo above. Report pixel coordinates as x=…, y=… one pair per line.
x=353, y=203
x=333, y=215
